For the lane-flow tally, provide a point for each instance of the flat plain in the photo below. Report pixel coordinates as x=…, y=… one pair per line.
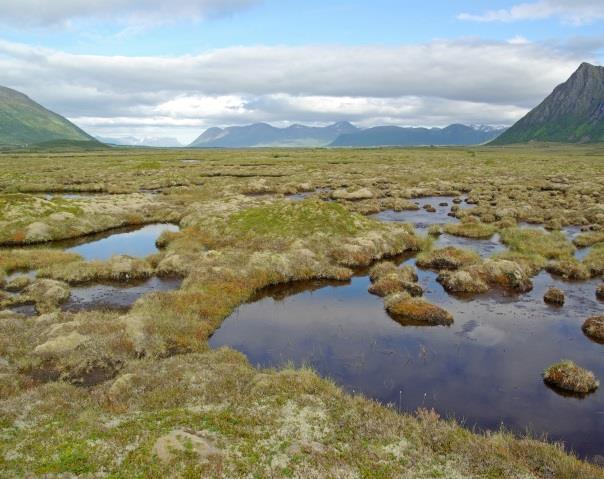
x=134, y=387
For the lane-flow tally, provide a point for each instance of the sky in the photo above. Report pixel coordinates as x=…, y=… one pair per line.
x=172, y=68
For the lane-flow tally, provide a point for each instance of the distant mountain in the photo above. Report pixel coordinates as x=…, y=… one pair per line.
x=24, y=122
x=262, y=134
x=572, y=113
x=156, y=142
x=399, y=136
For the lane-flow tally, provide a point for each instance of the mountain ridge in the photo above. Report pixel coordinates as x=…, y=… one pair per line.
x=263, y=134
x=454, y=134
x=342, y=134
x=572, y=113
x=23, y=122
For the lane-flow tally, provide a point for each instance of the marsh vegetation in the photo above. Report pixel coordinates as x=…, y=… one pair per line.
x=128, y=346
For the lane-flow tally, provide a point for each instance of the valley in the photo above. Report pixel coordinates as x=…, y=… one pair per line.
x=297, y=312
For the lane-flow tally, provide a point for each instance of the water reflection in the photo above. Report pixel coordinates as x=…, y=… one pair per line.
x=485, y=369
x=138, y=242
x=117, y=296
x=421, y=218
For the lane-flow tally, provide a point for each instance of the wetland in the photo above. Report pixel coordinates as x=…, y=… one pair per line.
x=236, y=305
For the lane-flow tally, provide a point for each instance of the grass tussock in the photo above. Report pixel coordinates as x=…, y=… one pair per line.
x=589, y=238
x=533, y=241
x=31, y=259
x=416, y=311
x=447, y=258
x=470, y=230
x=387, y=279
x=569, y=268
x=566, y=375
x=118, y=268
x=479, y=278
x=594, y=261
x=594, y=328
x=554, y=296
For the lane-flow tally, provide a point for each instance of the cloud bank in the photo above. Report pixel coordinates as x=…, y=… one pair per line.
x=577, y=12
x=43, y=13
x=431, y=84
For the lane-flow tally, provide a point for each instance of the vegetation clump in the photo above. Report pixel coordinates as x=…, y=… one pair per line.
x=600, y=292
x=118, y=268
x=18, y=283
x=387, y=279
x=589, y=238
x=568, y=268
x=356, y=195
x=47, y=294
x=34, y=258
x=594, y=328
x=566, y=375
x=463, y=282
x=470, y=230
x=415, y=311
x=534, y=241
x=554, y=296
x=594, y=261
x=478, y=278
x=449, y=257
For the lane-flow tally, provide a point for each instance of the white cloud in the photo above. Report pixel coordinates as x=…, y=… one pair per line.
x=62, y=12
x=572, y=11
x=432, y=84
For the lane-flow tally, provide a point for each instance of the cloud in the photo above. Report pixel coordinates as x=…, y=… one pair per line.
x=577, y=12
x=431, y=84
x=62, y=12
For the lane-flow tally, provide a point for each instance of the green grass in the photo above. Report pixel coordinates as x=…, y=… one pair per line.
x=533, y=241
x=303, y=218
x=24, y=122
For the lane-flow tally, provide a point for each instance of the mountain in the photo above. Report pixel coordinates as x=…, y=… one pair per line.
x=262, y=134
x=399, y=136
x=151, y=141
x=25, y=122
x=572, y=113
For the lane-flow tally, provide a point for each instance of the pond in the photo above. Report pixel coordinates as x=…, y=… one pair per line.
x=485, y=369
x=117, y=296
x=421, y=218
x=132, y=241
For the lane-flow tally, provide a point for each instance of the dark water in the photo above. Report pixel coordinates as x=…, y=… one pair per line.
x=485, y=369
x=137, y=241
x=421, y=218
x=26, y=309
x=305, y=194
x=119, y=296
x=483, y=247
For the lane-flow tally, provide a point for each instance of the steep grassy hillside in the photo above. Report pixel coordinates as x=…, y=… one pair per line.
x=572, y=113
x=24, y=122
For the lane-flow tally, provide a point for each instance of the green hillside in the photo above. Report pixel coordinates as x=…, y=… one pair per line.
x=572, y=113
x=24, y=122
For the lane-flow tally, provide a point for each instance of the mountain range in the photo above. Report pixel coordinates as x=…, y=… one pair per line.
x=398, y=136
x=572, y=113
x=23, y=122
x=341, y=134
x=263, y=134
